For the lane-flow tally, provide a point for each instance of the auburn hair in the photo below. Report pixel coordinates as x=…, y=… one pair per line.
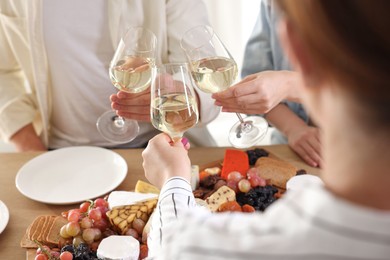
x=348, y=41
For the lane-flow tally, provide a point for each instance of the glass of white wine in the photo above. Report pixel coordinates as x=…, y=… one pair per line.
x=173, y=107
x=130, y=71
x=214, y=70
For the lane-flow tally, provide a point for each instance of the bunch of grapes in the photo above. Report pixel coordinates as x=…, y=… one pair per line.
x=87, y=224
x=238, y=182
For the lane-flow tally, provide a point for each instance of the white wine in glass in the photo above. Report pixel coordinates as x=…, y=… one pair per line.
x=173, y=107
x=130, y=71
x=214, y=70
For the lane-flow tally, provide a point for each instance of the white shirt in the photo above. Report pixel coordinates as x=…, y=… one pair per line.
x=85, y=35
x=307, y=224
x=25, y=89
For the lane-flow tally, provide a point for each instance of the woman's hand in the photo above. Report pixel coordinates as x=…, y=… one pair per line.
x=305, y=141
x=132, y=106
x=259, y=93
x=164, y=159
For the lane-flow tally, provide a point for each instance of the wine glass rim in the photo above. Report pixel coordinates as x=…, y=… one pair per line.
x=150, y=32
x=208, y=29
x=128, y=28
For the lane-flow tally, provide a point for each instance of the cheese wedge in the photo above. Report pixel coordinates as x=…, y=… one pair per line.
x=222, y=195
x=122, y=217
x=144, y=187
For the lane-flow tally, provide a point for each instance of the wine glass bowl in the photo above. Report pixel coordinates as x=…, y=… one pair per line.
x=173, y=108
x=212, y=66
x=214, y=70
x=129, y=71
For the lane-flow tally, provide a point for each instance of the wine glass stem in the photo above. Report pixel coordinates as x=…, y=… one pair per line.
x=240, y=118
x=119, y=121
x=245, y=127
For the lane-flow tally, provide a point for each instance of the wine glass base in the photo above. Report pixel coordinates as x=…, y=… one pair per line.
x=240, y=137
x=116, y=133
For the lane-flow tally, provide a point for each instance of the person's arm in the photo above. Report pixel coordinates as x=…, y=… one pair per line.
x=258, y=51
x=18, y=107
x=26, y=139
x=303, y=139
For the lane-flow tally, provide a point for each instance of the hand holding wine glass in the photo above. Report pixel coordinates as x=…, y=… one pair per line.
x=130, y=71
x=214, y=70
x=174, y=107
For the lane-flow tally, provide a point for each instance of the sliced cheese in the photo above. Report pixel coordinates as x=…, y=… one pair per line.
x=222, y=195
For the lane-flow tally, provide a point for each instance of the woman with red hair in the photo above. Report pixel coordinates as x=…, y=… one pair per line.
x=342, y=51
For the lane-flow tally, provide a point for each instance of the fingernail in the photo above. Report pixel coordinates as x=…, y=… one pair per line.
x=184, y=141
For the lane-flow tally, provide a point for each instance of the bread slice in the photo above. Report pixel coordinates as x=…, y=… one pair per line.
x=275, y=170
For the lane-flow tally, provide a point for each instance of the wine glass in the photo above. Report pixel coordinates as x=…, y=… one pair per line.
x=214, y=70
x=130, y=71
x=173, y=106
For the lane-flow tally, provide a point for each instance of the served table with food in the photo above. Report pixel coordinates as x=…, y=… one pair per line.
x=23, y=209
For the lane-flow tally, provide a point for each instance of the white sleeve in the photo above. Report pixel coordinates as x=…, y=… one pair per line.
x=175, y=198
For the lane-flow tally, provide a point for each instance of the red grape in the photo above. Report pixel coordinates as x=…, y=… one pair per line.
x=235, y=176
x=64, y=232
x=103, y=210
x=100, y=202
x=244, y=185
x=132, y=232
x=88, y=235
x=138, y=225
x=66, y=256
x=41, y=257
x=232, y=184
x=73, y=215
x=73, y=228
x=77, y=240
x=95, y=214
x=98, y=234
x=86, y=223
x=101, y=224
x=84, y=206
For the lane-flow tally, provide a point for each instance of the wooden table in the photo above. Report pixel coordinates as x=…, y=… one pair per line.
x=24, y=210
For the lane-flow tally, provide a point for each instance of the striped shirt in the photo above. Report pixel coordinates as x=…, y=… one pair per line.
x=306, y=224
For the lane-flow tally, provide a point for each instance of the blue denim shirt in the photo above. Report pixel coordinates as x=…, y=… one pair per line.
x=263, y=52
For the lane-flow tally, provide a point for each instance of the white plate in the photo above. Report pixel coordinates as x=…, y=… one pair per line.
x=70, y=175
x=4, y=216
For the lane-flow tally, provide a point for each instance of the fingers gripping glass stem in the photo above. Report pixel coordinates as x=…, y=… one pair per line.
x=214, y=70
x=130, y=71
